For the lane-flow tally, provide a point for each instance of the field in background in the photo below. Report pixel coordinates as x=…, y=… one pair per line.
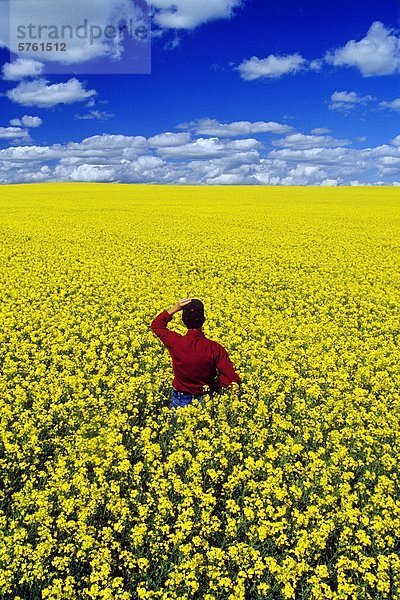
x=287, y=492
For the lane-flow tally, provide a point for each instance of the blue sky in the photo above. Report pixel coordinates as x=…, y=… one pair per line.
x=240, y=92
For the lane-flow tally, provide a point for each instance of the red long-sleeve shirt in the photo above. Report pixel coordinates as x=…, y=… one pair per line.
x=196, y=360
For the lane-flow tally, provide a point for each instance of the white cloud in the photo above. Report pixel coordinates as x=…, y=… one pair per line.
x=26, y=121
x=300, y=160
x=187, y=14
x=378, y=53
x=316, y=65
x=331, y=182
x=81, y=45
x=300, y=141
x=306, y=175
x=167, y=15
x=236, y=128
x=393, y=105
x=21, y=68
x=207, y=148
x=340, y=159
x=320, y=130
x=106, y=148
x=29, y=121
x=99, y=148
x=145, y=163
x=396, y=141
x=144, y=169
x=271, y=67
x=350, y=97
x=38, y=93
x=11, y=133
x=31, y=154
x=164, y=140
x=101, y=115
x=243, y=145
x=91, y=173
x=226, y=179
x=345, y=101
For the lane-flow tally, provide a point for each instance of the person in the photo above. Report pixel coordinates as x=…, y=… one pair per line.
x=200, y=365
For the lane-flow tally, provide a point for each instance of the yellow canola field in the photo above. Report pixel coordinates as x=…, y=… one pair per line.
x=288, y=490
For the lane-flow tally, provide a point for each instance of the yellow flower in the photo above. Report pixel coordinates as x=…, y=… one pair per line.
x=288, y=487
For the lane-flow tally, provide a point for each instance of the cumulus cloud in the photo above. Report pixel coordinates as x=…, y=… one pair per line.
x=179, y=15
x=91, y=173
x=323, y=156
x=226, y=179
x=21, y=68
x=331, y=182
x=396, y=140
x=39, y=93
x=30, y=154
x=316, y=65
x=271, y=67
x=378, y=53
x=186, y=14
x=340, y=159
x=146, y=168
x=12, y=133
x=100, y=115
x=106, y=147
x=301, y=141
x=320, y=130
x=393, y=105
x=146, y=163
x=306, y=174
x=345, y=101
x=236, y=128
x=26, y=121
x=163, y=140
x=83, y=45
x=207, y=148
x=299, y=160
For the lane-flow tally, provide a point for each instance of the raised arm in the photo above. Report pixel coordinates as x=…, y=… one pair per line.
x=159, y=325
x=179, y=305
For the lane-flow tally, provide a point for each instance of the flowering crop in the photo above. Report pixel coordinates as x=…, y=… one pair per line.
x=286, y=490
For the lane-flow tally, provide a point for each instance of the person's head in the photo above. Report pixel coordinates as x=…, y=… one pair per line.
x=193, y=314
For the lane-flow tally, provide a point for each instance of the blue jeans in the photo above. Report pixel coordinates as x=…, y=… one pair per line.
x=180, y=399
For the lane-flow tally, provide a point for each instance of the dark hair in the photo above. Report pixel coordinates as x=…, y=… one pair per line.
x=193, y=314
